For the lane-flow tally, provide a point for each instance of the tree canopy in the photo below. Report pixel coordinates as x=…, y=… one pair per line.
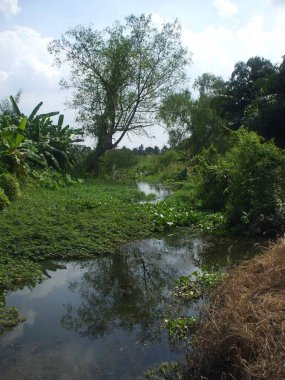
x=118, y=75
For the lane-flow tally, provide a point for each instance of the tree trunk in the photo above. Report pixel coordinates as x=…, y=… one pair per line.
x=93, y=160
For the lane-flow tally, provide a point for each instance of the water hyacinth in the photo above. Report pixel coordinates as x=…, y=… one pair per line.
x=171, y=213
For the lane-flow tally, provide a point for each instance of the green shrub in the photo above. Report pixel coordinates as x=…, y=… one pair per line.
x=210, y=180
x=4, y=200
x=256, y=182
x=168, y=157
x=10, y=186
x=116, y=160
x=52, y=180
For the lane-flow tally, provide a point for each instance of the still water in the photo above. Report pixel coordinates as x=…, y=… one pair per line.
x=104, y=318
x=159, y=191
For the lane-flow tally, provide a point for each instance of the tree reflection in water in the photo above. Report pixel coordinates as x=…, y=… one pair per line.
x=127, y=291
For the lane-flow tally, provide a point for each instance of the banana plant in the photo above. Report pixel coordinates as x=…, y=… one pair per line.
x=15, y=149
x=52, y=142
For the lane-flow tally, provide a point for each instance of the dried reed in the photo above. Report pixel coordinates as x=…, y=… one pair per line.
x=242, y=335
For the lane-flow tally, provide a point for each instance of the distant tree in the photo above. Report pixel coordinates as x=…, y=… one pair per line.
x=119, y=75
x=194, y=123
x=209, y=85
x=175, y=112
x=266, y=113
x=156, y=150
x=247, y=83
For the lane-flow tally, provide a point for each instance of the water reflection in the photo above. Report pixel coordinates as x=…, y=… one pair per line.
x=158, y=190
x=102, y=319
x=128, y=291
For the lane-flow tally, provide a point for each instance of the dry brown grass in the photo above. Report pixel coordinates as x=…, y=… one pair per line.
x=243, y=333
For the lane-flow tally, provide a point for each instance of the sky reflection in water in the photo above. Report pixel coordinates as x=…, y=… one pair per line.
x=103, y=318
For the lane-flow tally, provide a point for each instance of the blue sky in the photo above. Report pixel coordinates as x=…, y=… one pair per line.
x=218, y=33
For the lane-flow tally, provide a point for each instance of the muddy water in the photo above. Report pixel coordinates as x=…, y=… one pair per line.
x=104, y=318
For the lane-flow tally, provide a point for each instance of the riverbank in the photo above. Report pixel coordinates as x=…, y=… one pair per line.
x=242, y=335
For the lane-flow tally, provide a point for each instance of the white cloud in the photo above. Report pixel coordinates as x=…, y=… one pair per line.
x=226, y=8
x=22, y=49
x=9, y=7
x=27, y=65
x=217, y=49
x=157, y=19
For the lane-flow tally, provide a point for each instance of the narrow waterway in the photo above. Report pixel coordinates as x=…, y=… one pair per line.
x=104, y=318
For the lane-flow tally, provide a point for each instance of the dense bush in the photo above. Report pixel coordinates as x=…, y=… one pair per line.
x=256, y=182
x=114, y=161
x=247, y=182
x=4, y=200
x=210, y=180
x=10, y=186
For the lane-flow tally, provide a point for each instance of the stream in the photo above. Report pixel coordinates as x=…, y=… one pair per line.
x=104, y=318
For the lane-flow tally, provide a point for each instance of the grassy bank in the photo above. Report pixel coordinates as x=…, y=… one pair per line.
x=242, y=335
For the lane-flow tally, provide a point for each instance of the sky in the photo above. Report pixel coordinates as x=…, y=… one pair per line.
x=218, y=33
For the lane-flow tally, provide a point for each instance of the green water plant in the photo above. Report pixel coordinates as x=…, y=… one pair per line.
x=9, y=317
x=181, y=327
x=166, y=371
x=196, y=284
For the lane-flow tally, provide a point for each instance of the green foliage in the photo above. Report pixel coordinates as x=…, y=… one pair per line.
x=15, y=148
x=194, y=124
x=4, y=200
x=53, y=180
x=256, y=181
x=115, y=162
x=9, y=317
x=76, y=222
x=35, y=140
x=181, y=327
x=196, y=284
x=10, y=185
x=174, y=212
x=166, y=371
x=210, y=180
x=246, y=183
x=119, y=75
x=17, y=272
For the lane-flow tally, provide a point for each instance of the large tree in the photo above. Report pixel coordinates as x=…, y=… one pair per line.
x=193, y=123
x=119, y=75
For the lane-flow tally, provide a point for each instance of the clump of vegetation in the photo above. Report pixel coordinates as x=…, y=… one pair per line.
x=181, y=327
x=174, y=212
x=166, y=371
x=10, y=185
x=4, y=200
x=242, y=334
x=116, y=162
x=9, y=317
x=196, y=284
x=53, y=180
x=16, y=273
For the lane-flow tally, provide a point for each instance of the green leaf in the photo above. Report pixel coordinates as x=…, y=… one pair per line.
x=35, y=110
